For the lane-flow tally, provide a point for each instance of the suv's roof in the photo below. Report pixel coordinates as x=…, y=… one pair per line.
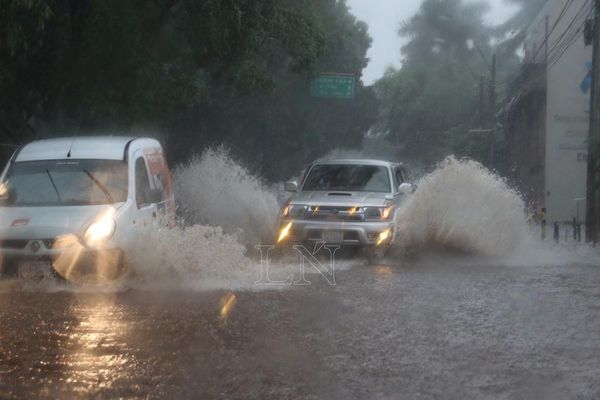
x=356, y=162
x=86, y=147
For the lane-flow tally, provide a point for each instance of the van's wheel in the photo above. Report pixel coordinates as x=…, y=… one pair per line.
x=9, y=269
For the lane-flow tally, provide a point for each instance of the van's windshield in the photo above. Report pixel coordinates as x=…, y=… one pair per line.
x=65, y=182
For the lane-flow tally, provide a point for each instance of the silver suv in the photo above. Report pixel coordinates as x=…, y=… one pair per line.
x=346, y=202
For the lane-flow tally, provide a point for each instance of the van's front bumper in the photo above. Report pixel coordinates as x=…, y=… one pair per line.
x=360, y=233
x=71, y=261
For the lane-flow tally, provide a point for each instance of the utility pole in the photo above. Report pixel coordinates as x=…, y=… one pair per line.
x=489, y=115
x=592, y=221
x=482, y=110
x=492, y=111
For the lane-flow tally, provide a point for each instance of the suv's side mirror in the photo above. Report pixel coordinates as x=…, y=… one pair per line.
x=406, y=188
x=291, y=186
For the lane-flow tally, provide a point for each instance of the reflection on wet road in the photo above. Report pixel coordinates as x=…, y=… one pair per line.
x=385, y=331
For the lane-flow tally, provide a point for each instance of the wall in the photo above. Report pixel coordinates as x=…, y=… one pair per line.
x=567, y=109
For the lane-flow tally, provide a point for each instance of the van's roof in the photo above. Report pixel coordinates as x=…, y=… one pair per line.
x=84, y=147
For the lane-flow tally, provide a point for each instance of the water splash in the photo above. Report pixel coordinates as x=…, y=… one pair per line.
x=214, y=190
x=463, y=206
x=195, y=256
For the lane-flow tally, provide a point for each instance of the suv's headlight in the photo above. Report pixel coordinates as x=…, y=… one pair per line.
x=379, y=213
x=293, y=210
x=102, y=229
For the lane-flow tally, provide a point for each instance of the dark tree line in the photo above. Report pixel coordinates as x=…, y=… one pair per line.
x=192, y=72
x=197, y=73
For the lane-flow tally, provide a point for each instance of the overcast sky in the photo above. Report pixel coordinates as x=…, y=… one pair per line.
x=383, y=18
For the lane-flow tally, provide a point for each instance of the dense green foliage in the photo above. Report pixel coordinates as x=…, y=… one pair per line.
x=193, y=72
x=429, y=105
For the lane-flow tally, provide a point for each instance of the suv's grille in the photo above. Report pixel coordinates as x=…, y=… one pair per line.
x=332, y=213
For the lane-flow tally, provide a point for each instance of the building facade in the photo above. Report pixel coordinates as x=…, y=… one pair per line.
x=548, y=116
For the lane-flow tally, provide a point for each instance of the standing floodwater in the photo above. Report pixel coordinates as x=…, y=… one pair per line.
x=438, y=328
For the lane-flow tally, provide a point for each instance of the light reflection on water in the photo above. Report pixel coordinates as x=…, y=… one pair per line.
x=227, y=304
x=384, y=277
x=99, y=354
x=383, y=272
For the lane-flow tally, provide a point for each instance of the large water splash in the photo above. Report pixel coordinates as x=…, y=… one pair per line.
x=215, y=190
x=463, y=206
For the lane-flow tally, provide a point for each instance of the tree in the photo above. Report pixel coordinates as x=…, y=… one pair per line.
x=515, y=26
x=193, y=72
x=445, y=26
x=429, y=105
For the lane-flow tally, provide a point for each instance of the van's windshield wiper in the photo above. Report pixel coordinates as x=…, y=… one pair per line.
x=54, y=185
x=100, y=185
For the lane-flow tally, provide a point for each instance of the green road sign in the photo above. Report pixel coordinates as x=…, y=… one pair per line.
x=333, y=86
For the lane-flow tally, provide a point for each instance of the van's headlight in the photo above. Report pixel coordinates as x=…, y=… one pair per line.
x=100, y=230
x=293, y=210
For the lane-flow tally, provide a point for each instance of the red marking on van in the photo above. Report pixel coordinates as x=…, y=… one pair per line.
x=20, y=222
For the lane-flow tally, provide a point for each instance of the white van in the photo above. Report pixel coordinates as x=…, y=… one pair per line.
x=73, y=206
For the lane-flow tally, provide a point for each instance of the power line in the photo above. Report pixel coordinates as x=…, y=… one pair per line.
x=561, y=15
x=560, y=45
x=561, y=38
x=569, y=36
x=577, y=18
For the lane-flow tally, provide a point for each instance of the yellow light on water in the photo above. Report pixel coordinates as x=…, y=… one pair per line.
x=284, y=232
x=384, y=236
x=227, y=304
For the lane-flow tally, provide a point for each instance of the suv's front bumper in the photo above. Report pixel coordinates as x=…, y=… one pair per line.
x=360, y=233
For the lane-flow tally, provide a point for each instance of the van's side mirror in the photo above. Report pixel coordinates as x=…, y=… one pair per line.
x=155, y=196
x=406, y=188
x=291, y=186
x=151, y=196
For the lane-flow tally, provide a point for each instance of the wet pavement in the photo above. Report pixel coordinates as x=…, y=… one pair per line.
x=441, y=329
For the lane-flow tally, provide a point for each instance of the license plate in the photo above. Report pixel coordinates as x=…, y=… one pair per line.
x=34, y=269
x=333, y=237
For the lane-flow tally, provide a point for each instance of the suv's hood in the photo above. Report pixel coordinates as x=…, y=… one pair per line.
x=349, y=199
x=46, y=222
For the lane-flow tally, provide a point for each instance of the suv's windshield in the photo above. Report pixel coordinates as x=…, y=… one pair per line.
x=66, y=182
x=350, y=178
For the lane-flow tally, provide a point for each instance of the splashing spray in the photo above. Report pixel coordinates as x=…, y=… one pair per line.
x=215, y=190
x=463, y=206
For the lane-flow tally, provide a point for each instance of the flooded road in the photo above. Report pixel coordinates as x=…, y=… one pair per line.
x=439, y=329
